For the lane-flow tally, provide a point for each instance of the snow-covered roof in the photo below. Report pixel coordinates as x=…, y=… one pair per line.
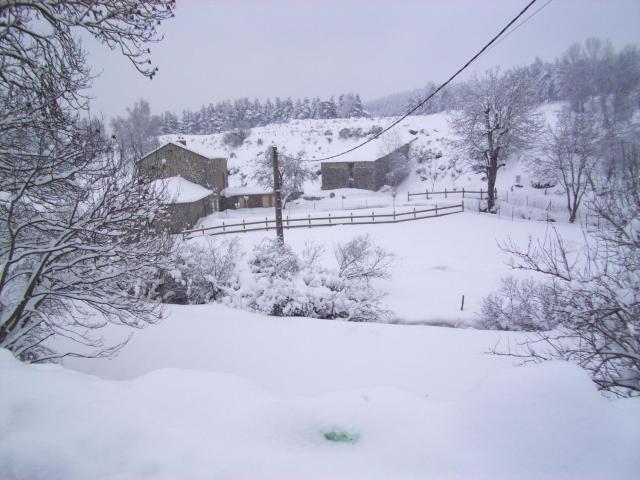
x=375, y=149
x=198, y=151
x=179, y=190
x=248, y=190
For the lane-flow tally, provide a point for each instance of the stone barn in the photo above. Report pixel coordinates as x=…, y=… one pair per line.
x=354, y=170
x=192, y=181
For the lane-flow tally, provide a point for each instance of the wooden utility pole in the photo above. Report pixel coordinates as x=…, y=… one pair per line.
x=277, y=190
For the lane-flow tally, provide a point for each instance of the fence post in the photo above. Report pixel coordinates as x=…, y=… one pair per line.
x=436, y=209
x=329, y=217
x=462, y=192
x=407, y=196
x=462, y=205
x=266, y=224
x=351, y=214
x=309, y=216
x=480, y=193
x=373, y=217
x=445, y=192
x=426, y=192
x=223, y=226
x=394, y=215
x=495, y=193
x=287, y=220
x=414, y=212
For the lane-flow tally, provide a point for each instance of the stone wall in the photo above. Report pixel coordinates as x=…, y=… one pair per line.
x=182, y=216
x=172, y=160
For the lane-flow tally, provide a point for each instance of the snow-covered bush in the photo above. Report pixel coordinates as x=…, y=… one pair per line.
x=346, y=133
x=518, y=305
x=279, y=283
x=203, y=271
x=274, y=259
x=235, y=137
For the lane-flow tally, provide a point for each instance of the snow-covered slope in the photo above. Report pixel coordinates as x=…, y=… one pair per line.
x=315, y=139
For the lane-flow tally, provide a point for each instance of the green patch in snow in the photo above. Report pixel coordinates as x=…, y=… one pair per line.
x=341, y=437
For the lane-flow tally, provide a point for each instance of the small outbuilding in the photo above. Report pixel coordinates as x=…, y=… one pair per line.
x=246, y=197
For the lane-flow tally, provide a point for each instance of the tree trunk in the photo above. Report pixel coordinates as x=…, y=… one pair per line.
x=492, y=175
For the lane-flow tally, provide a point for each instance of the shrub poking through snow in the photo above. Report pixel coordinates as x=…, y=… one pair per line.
x=280, y=283
x=275, y=281
x=341, y=437
x=203, y=271
x=518, y=305
x=274, y=259
x=360, y=259
x=234, y=138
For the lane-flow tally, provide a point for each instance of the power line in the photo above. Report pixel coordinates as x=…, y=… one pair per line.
x=421, y=103
x=533, y=14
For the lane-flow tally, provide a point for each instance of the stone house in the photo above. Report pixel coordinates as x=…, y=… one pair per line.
x=175, y=159
x=192, y=182
x=357, y=171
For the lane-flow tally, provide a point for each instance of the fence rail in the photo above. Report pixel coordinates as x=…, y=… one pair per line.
x=446, y=193
x=328, y=221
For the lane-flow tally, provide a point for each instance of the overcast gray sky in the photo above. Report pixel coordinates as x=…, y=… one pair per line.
x=225, y=49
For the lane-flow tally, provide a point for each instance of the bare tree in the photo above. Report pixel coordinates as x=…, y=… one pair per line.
x=595, y=301
x=294, y=171
x=77, y=242
x=496, y=118
x=360, y=259
x=137, y=133
x=570, y=155
x=75, y=246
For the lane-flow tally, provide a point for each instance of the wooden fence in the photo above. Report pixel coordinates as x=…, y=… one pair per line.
x=447, y=193
x=328, y=221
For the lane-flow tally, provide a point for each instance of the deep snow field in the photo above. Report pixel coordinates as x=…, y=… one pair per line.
x=214, y=393
x=217, y=393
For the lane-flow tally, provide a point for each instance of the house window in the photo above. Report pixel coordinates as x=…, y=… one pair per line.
x=350, y=171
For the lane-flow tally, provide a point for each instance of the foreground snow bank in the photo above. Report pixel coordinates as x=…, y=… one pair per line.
x=424, y=402
x=537, y=422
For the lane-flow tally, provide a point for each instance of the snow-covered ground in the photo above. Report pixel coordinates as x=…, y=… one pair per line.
x=437, y=260
x=217, y=393
x=214, y=393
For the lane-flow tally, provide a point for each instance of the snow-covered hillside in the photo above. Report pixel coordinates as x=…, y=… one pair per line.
x=315, y=139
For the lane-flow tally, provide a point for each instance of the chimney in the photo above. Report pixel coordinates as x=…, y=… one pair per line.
x=183, y=141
